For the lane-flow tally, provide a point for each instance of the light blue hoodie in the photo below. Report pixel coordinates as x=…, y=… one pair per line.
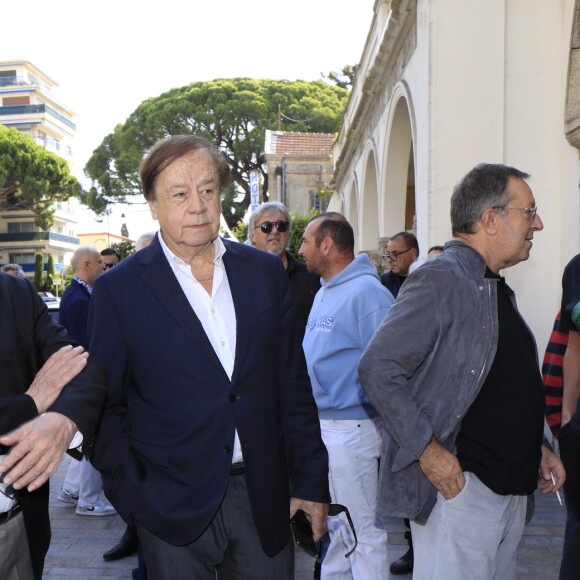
x=346, y=312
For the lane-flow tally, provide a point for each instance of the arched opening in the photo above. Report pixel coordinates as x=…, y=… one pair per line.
x=399, y=210
x=352, y=215
x=369, y=206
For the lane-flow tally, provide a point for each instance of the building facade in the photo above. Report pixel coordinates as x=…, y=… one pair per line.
x=27, y=103
x=444, y=85
x=299, y=168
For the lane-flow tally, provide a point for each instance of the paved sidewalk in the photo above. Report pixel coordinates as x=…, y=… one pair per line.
x=78, y=543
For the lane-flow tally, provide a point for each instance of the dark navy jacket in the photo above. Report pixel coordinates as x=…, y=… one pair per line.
x=165, y=443
x=74, y=312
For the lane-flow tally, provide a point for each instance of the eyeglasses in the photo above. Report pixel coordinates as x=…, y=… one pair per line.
x=394, y=255
x=532, y=211
x=266, y=227
x=107, y=266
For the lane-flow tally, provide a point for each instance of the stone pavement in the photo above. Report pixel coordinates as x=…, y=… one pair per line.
x=78, y=543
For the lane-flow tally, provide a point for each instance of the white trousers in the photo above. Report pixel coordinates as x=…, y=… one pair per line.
x=83, y=479
x=475, y=535
x=354, y=451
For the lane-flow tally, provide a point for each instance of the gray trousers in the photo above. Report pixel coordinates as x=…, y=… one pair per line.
x=475, y=535
x=229, y=549
x=14, y=554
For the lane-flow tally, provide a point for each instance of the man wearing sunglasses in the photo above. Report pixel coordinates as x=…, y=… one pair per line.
x=110, y=257
x=402, y=251
x=269, y=230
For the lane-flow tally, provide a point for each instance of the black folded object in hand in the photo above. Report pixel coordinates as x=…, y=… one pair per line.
x=302, y=530
x=302, y=533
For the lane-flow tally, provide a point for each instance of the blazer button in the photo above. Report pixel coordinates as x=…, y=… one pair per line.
x=228, y=449
x=232, y=398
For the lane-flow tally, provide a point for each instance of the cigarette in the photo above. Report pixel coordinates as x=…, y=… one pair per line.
x=557, y=493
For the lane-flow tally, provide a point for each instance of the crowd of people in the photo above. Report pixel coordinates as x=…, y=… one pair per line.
x=212, y=391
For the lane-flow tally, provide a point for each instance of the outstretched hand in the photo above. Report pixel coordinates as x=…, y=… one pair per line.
x=63, y=366
x=38, y=447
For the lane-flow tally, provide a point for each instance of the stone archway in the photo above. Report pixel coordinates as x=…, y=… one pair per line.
x=352, y=214
x=369, y=204
x=572, y=117
x=399, y=212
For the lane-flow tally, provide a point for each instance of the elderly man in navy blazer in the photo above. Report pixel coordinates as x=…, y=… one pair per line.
x=210, y=437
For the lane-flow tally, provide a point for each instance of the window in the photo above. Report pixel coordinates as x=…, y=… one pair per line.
x=14, y=101
x=20, y=227
x=21, y=259
x=317, y=202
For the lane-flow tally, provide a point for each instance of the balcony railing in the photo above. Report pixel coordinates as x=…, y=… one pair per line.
x=34, y=109
x=38, y=237
x=22, y=81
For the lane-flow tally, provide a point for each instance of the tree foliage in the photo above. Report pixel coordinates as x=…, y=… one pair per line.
x=232, y=113
x=32, y=177
x=38, y=270
x=344, y=78
x=125, y=248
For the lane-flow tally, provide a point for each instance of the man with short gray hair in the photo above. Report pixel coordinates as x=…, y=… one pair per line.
x=269, y=230
x=453, y=372
x=13, y=270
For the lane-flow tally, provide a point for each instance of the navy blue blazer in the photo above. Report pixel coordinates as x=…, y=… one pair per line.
x=74, y=312
x=28, y=337
x=165, y=442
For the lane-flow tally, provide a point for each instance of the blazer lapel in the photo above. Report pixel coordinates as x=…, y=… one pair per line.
x=241, y=285
x=158, y=276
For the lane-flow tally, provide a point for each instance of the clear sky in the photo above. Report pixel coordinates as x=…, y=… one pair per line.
x=109, y=56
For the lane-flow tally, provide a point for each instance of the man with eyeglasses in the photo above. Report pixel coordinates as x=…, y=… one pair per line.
x=110, y=257
x=402, y=251
x=269, y=230
x=453, y=372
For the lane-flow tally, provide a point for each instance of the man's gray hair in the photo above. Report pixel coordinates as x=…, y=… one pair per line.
x=269, y=206
x=14, y=268
x=484, y=187
x=80, y=255
x=144, y=240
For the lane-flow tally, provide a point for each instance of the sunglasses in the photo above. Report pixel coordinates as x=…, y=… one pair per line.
x=107, y=266
x=266, y=227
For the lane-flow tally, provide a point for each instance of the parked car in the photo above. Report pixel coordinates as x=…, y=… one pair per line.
x=52, y=303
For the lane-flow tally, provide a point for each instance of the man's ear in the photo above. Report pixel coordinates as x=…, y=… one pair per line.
x=326, y=246
x=152, y=201
x=490, y=220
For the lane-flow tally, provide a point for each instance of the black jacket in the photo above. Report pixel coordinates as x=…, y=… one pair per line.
x=28, y=337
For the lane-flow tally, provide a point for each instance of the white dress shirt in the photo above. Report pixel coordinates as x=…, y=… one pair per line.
x=216, y=312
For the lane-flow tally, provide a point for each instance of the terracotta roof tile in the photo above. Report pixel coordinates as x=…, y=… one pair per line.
x=291, y=143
